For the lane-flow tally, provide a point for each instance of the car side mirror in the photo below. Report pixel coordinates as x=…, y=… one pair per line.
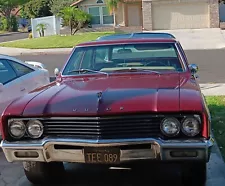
x=1, y=87
x=56, y=71
x=194, y=69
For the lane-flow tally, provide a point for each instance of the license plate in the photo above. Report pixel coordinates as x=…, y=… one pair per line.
x=102, y=155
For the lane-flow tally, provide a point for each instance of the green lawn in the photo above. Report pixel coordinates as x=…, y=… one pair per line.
x=55, y=41
x=3, y=32
x=217, y=108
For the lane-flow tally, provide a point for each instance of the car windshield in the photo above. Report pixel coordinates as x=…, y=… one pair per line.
x=151, y=57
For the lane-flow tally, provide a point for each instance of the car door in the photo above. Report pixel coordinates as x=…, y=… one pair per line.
x=11, y=84
x=28, y=76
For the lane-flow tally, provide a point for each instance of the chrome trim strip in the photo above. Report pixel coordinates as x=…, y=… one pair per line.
x=117, y=42
x=158, y=149
x=182, y=58
x=110, y=142
x=96, y=118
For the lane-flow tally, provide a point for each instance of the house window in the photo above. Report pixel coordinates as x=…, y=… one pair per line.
x=100, y=15
x=99, y=1
x=95, y=18
x=107, y=18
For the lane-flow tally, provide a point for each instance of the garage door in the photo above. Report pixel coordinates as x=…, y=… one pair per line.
x=180, y=15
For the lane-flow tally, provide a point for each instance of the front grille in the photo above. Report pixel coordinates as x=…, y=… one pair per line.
x=131, y=126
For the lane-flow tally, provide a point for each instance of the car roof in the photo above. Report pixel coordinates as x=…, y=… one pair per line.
x=2, y=56
x=126, y=41
x=136, y=35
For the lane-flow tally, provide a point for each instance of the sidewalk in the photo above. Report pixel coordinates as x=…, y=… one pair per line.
x=216, y=89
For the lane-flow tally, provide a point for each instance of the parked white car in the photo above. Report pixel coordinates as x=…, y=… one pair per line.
x=18, y=78
x=36, y=64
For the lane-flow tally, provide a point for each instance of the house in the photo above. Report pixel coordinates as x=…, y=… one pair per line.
x=154, y=14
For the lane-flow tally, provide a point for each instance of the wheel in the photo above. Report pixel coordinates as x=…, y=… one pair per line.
x=41, y=172
x=194, y=173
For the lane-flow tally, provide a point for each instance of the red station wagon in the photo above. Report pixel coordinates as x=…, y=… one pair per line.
x=114, y=102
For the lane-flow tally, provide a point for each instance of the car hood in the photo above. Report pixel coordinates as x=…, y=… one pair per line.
x=112, y=95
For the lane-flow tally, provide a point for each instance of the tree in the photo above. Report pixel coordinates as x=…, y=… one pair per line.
x=7, y=6
x=112, y=6
x=74, y=18
x=37, y=8
x=41, y=27
x=58, y=5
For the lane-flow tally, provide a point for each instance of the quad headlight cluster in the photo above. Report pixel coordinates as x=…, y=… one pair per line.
x=190, y=126
x=18, y=129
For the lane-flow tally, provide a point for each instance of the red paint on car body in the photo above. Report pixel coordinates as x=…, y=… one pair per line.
x=135, y=92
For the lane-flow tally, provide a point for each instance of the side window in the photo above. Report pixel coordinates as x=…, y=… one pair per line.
x=7, y=73
x=21, y=70
x=87, y=59
x=101, y=55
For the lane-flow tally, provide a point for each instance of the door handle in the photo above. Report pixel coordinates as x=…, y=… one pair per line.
x=22, y=89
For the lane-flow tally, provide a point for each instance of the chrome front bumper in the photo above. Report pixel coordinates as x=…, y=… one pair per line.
x=71, y=150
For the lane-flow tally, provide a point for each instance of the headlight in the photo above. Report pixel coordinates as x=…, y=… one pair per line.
x=191, y=126
x=170, y=127
x=34, y=128
x=17, y=129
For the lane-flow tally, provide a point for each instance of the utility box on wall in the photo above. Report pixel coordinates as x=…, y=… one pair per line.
x=51, y=24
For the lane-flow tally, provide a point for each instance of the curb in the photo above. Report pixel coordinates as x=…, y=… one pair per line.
x=216, y=147
x=36, y=52
x=41, y=53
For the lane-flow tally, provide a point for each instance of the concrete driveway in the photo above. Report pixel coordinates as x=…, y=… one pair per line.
x=13, y=36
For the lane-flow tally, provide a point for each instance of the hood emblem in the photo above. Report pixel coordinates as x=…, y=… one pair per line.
x=99, y=94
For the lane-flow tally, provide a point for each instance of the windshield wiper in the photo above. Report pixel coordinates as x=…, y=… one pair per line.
x=84, y=70
x=136, y=70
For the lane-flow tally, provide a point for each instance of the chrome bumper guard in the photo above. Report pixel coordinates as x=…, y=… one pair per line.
x=72, y=150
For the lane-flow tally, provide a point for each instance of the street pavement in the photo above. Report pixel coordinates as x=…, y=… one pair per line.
x=211, y=63
x=13, y=36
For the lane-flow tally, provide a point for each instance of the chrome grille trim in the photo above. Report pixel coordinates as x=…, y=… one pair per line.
x=111, y=127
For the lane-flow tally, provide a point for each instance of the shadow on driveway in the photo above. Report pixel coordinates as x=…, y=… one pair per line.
x=88, y=175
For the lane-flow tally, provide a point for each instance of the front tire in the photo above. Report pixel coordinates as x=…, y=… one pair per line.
x=194, y=173
x=41, y=172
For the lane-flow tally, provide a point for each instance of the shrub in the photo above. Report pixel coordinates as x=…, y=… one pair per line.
x=30, y=36
x=4, y=24
x=13, y=23
x=75, y=18
x=9, y=25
